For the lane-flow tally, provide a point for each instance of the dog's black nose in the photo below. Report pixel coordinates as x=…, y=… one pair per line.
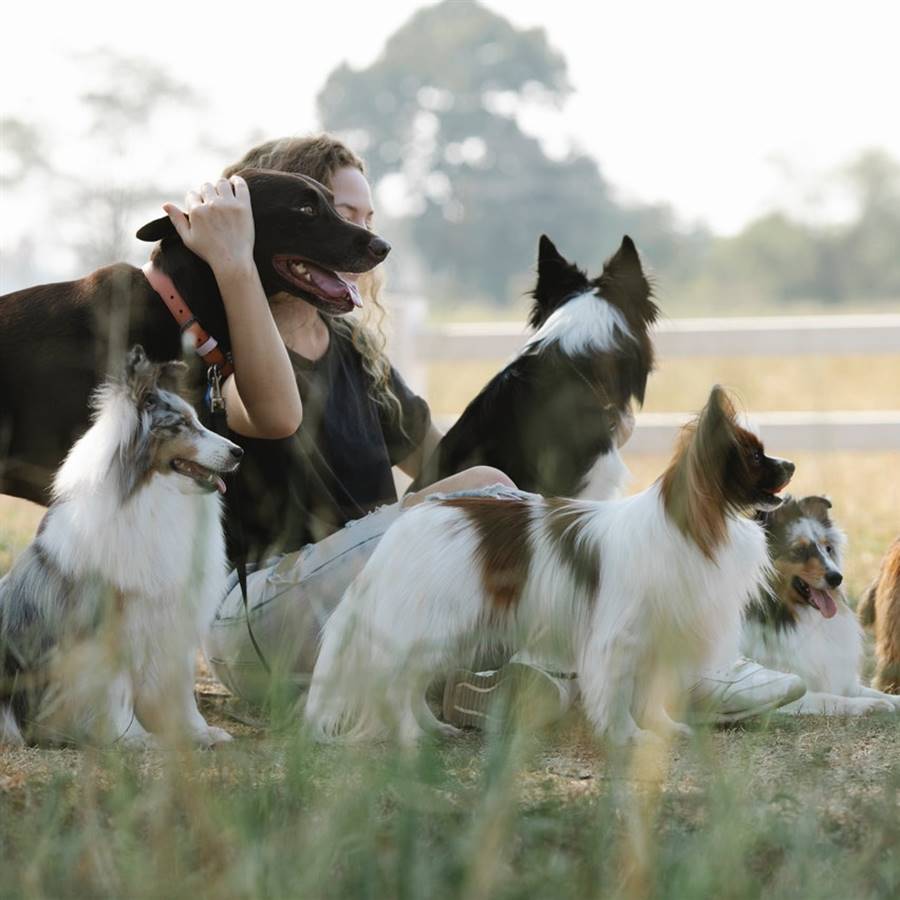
x=237, y=452
x=834, y=579
x=379, y=248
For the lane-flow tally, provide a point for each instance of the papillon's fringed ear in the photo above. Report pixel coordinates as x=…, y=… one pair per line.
x=156, y=230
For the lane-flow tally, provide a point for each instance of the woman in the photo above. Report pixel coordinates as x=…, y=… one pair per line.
x=323, y=417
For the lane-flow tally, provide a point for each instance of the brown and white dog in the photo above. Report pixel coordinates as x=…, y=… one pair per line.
x=630, y=594
x=102, y=614
x=800, y=621
x=879, y=610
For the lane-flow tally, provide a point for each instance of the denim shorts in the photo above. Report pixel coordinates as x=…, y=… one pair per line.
x=290, y=598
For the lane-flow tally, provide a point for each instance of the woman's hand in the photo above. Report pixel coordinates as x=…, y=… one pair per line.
x=218, y=226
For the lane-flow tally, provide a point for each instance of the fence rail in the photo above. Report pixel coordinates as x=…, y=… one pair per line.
x=763, y=336
x=415, y=344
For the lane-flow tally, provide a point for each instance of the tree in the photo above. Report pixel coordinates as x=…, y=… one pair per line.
x=436, y=116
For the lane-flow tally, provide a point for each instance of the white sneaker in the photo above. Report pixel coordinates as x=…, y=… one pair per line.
x=741, y=690
x=532, y=693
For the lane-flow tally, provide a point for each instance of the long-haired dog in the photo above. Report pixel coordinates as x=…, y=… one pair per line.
x=554, y=418
x=879, y=610
x=800, y=622
x=634, y=594
x=102, y=615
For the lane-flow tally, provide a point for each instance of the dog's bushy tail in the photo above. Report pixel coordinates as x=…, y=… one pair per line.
x=866, y=608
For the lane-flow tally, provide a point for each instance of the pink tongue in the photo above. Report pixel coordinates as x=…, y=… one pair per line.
x=824, y=602
x=220, y=485
x=332, y=285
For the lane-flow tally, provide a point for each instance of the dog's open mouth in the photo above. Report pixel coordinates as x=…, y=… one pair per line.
x=206, y=478
x=821, y=600
x=769, y=500
x=325, y=286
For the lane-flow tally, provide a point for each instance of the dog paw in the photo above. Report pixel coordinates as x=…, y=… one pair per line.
x=211, y=736
x=139, y=742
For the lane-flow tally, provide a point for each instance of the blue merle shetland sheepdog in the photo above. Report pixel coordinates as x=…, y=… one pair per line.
x=554, y=418
x=800, y=621
x=102, y=614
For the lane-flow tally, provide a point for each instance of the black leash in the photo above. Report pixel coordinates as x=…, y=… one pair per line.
x=220, y=424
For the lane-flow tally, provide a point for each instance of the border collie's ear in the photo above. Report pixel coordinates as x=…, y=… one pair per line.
x=557, y=279
x=547, y=253
x=157, y=230
x=626, y=260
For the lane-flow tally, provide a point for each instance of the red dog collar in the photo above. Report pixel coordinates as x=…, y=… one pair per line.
x=205, y=345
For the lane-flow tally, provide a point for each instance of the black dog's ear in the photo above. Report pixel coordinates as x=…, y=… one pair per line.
x=625, y=261
x=548, y=254
x=157, y=230
x=557, y=279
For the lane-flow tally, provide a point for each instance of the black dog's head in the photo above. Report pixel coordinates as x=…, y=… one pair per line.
x=301, y=241
x=622, y=284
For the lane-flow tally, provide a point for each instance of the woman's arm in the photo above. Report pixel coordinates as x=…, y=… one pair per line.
x=261, y=397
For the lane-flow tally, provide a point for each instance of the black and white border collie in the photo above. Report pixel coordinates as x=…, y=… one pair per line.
x=800, y=621
x=102, y=614
x=554, y=418
x=637, y=596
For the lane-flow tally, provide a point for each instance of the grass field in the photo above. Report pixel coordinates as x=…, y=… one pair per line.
x=778, y=808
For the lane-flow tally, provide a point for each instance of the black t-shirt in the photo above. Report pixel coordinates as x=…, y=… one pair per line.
x=337, y=466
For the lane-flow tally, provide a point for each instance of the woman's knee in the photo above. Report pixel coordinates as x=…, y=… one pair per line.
x=484, y=476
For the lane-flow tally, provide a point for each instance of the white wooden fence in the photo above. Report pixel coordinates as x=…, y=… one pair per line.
x=414, y=343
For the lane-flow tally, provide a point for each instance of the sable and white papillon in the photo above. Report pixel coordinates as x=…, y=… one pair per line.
x=800, y=621
x=634, y=594
x=102, y=615
x=554, y=418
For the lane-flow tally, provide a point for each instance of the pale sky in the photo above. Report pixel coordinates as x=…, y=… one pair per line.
x=703, y=105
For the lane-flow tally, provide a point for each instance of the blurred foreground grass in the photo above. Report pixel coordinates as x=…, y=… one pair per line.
x=783, y=809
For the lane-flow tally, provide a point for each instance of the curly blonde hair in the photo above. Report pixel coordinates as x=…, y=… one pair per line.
x=320, y=156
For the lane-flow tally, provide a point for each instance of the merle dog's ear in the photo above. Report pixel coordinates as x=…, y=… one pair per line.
x=157, y=230
x=170, y=374
x=140, y=374
x=817, y=507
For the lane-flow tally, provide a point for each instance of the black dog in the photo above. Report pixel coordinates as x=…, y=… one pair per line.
x=57, y=341
x=552, y=417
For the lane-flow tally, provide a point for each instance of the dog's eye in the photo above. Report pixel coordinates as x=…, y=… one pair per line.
x=829, y=549
x=757, y=456
x=308, y=210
